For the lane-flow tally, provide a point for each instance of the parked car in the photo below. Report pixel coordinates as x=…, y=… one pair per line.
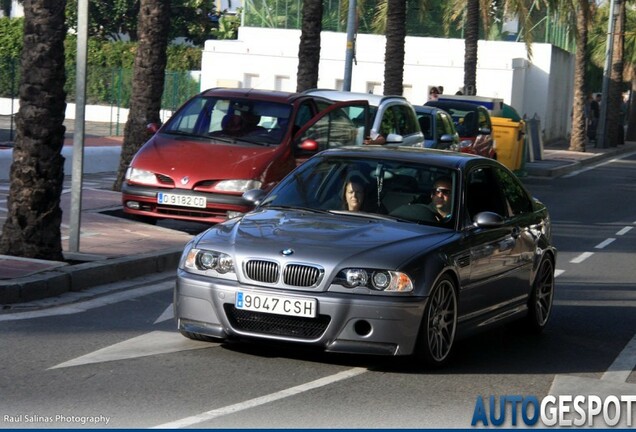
x=223, y=142
x=393, y=279
x=393, y=117
x=473, y=125
x=438, y=128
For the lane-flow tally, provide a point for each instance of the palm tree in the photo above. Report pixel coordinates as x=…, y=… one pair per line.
x=471, y=39
x=309, y=47
x=630, y=63
x=148, y=80
x=34, y=217
x=582, y=11
x=472, y=13
x=614, y=128
x=394, y=50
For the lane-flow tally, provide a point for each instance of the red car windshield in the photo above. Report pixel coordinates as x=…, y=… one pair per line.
x=250, y=120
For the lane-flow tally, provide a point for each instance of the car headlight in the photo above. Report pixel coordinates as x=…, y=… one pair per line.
x=237, y=185
x=378, y=280
x=205, y=260
x=137, y=175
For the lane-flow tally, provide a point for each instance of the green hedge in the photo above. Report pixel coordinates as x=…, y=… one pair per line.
x=109, y=68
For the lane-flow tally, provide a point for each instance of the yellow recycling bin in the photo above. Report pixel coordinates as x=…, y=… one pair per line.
x=509, y=139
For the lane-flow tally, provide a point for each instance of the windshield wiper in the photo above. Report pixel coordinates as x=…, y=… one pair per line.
x=251, y=141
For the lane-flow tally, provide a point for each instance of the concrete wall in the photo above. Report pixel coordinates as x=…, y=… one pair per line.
x=268, y=58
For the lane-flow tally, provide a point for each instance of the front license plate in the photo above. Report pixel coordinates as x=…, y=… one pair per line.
x=276, y=304
x=181, y=200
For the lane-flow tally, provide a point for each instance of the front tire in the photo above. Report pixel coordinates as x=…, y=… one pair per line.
x=439, y=324
x=540, y=303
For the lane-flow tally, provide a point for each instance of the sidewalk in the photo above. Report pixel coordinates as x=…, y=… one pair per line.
x=113, y=248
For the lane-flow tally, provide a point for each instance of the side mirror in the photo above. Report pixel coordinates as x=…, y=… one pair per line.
x=394, y=139
x=488, y=219
x=308, y=145
x=153, y=127
x=446, y=138
x=254, y=196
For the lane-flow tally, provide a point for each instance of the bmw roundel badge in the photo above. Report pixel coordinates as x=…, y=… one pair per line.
x=287, y=252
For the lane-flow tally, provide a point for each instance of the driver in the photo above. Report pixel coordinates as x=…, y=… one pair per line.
x=441, y=198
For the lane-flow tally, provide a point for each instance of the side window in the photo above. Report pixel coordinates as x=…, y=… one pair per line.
x=483, y=193
x=447, y=122
x=387, y=126
x=484, y=119
x=305, y=113
x=334, y=130
x=426, y=126
x=518, y=200
x=440, y=126
x=405, y=120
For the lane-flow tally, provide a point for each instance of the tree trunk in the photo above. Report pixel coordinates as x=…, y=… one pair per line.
x=614, y=129
x=148, y=80
x=309, y=47
x=394, y=51
x=34, y=216
x=471, y=39
x=578, y=137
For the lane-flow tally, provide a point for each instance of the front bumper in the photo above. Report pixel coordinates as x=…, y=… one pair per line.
x=346, y=323
x=216, y=210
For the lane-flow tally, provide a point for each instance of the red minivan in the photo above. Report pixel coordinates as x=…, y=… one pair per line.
x=223, y=142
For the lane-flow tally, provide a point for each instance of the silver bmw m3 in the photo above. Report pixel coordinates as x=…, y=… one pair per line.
x=373, y=250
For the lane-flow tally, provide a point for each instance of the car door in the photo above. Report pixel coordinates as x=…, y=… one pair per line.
x=330, y=128
x=497, y=255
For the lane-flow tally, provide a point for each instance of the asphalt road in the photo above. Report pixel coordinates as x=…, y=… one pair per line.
x=117, y=361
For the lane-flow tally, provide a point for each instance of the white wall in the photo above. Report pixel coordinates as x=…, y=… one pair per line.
x=268, y=59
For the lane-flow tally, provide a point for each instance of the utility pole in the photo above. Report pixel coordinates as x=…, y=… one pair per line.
x=78, y=132
x=351, y=41
x=601, y=135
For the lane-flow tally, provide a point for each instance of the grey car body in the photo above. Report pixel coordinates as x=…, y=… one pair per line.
x=392, y=280
x=438, y=128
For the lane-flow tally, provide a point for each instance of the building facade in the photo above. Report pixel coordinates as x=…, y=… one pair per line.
x=540, y=86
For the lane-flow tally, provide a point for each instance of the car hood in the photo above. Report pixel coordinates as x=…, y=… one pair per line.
x=324, y=239
x=176, y=156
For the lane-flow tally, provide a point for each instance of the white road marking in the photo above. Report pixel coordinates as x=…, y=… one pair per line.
x=558, y=273
x=624, y=231
x=83, y=305
x=231, y=409
x=157, y=342
x=166, y=315
x=624, y=364
x=579, y=259
x=605, y=243
x=591, y=167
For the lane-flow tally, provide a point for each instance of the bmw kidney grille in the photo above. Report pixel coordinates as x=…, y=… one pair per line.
x=297, y=275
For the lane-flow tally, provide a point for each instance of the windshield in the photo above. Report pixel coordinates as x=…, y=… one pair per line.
x=403, y=190
x=255, y=121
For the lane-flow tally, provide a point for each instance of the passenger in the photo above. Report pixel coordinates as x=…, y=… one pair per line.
x=353, y=194
x=251, y=124
x=441, y=198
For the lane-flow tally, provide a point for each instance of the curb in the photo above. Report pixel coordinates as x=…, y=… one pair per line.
x=553, y=168
x=86, y=275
